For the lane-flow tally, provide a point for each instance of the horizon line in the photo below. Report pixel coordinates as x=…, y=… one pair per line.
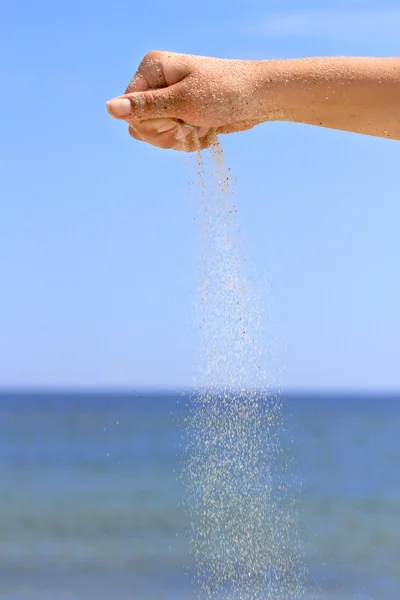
x=146, y=390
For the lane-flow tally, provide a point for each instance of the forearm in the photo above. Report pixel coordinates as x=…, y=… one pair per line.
x=360, y=95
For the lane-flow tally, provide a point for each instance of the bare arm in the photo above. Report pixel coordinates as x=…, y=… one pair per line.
x=180, y=101
x=360, y=95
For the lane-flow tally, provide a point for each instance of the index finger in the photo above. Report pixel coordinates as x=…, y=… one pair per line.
x=149, y=76
x=138, y=83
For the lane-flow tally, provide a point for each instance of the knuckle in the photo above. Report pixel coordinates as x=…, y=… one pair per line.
x=152, y=56
x=144, y=103
x=147, y=100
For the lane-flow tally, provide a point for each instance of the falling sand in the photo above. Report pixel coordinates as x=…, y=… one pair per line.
x=242, y=510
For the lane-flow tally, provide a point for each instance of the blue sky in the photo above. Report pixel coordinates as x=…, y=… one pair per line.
x=97, y=253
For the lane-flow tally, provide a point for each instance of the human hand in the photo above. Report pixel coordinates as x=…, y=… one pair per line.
x=181, y=101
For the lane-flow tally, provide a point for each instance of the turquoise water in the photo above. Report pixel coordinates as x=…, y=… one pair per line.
x=89, y=504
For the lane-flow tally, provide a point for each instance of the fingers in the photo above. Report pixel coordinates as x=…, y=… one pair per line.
x=154, y=91
x=169, y=134
x=151, y=104
x=150, y=74
x=175, y=127
x=158, y=70
x=138, y=83
x=163, y=133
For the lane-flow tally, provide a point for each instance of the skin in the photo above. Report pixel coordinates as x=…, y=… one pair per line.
x=180, y=102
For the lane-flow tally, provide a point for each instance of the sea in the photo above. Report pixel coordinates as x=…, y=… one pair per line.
x=91, y=495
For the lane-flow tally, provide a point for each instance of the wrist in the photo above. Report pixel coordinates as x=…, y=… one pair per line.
x=276, y=85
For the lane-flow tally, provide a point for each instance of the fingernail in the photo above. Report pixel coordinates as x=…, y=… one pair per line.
x=183, y=131
x=119, y=107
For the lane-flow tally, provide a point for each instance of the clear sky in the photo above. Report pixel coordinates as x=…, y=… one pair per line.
x=97, y=253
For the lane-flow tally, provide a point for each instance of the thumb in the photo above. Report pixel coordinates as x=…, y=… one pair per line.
x=151, y=104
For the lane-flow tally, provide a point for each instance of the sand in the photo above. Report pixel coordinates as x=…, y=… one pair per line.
x=243, y=514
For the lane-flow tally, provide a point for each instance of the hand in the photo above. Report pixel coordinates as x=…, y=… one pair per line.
x=182, y=101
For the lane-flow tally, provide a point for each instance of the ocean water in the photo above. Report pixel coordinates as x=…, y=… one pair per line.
x=89, y=502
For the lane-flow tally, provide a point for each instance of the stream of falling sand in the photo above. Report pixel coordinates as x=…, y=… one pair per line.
x=242, y=512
